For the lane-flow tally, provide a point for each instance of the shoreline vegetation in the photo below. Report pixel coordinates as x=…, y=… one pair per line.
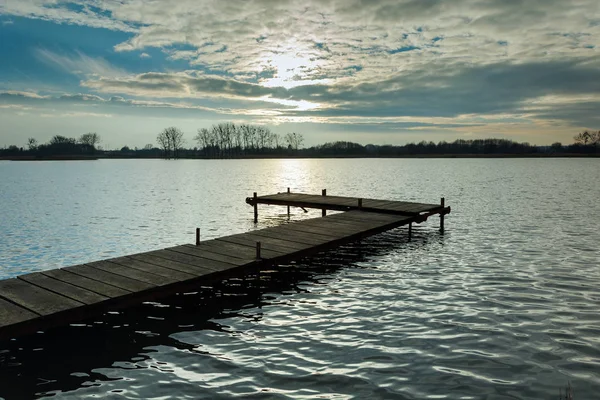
x=242, y=141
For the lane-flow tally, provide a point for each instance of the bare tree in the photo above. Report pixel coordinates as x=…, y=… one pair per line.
x=294, y=140
x=278, y=140
x=32, y=144
x=175, y=140
x=90, y=139
x=587, y=138
x=164, y=142
x=202, y=138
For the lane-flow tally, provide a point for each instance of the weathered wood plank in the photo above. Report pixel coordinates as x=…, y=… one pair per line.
x=327, y=232
x=415, y=208
x=64, y=289
x=212, y=265
x=86, y=283
x=109, y=278
x=242, y=251
x=341, y=224
x=11, y=314
x=132, y=273
x=34, y=298
x=279, y=244
x=207, y=254
x=175, y=275
x=172, y=265
x=293, y=236
x=367, y=216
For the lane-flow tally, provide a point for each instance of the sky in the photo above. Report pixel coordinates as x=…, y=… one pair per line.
x=367, y=71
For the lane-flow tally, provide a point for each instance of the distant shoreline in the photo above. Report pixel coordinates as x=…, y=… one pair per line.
x=258, y=157
x=49, y=158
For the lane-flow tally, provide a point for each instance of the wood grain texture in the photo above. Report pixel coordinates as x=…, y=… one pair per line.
x=34, y=298
x=11, y=313
x=109, y=278
x=64, y=289
x=83, y=282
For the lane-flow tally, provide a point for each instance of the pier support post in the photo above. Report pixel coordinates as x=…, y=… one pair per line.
x=197, y=236
x=410, y=232
x=324, y=210
x=288, y=207
x=255, y=208
x=442, y=216
x=359, y=203
x=258, y=246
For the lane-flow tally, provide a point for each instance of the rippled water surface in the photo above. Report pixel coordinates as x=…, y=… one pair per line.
x=504, y=305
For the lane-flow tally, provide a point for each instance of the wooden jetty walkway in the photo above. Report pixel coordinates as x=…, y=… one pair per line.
x=39, y=300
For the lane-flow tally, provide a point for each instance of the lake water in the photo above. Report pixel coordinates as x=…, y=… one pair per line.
x=504, y=305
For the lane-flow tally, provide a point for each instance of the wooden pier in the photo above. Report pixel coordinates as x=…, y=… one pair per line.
x=39, y=300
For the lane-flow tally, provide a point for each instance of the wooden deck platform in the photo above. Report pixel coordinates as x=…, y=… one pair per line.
x=40, y=300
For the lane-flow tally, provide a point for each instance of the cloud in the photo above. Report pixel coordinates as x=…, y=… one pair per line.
x=501, y=88
x=78, y=63
x=330, y=60
x=29, y=100
x=87, y=13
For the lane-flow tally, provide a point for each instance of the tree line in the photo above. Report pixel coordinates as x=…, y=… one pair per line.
x=58, y=145
x=229, y=140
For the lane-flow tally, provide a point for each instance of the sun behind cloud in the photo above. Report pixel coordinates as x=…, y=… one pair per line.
x=291, y=69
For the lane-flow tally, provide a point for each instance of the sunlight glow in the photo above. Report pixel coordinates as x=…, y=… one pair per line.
x=299, y=105
x=291, y=70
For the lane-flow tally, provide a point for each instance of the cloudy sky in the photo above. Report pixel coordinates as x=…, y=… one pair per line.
x=370, y=71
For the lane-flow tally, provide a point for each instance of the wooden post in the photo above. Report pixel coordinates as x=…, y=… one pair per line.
x=359, y=203
x=410, y=232
x=288, y=207
x=442, y=217
x=324, y=211
x=255, y=208
x=197, y=236
x=258, y=245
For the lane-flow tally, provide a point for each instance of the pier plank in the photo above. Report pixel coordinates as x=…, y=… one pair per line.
x=92, y=285
x=211, y=265
x=172, y=265
x=132, y=273
x=280, y=244
x=293, y=236
x=238, y=250
x=327, y=232
x=131, y=285
x=34, y=298
x=203, y=252
x=152, y=268
x=65, y=289
x=11, y=314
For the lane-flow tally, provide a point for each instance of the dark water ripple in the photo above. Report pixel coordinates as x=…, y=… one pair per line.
x=503, y=306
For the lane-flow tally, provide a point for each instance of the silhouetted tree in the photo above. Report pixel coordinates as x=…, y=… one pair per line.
x=90, y=139
x=171, y=141
x=164, y=142
x=32, y=144
x=294, y=140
